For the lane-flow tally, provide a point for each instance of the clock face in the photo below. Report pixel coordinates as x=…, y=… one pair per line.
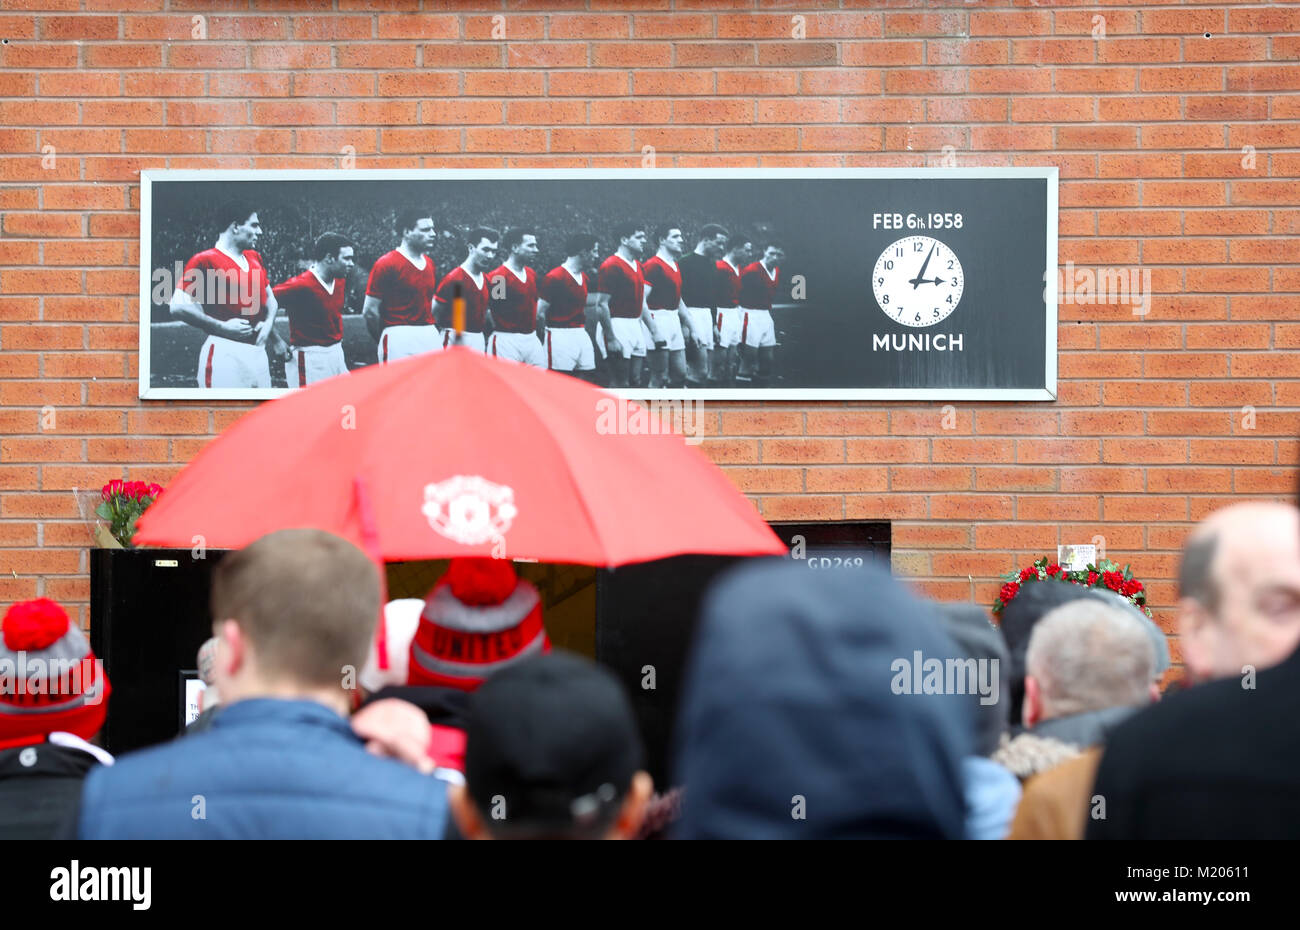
x=918, y=281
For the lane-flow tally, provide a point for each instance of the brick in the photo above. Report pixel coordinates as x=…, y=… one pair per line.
x=929, y=478
x=887, y=450
x=757, y=83
x=710, y=111
x=766, y=480
x=1230, y=451
x=885, y=507
x=418, y=84
x=1147, y=507
x=853, y=480
x=821, y=507
x=797, y=451
x=1262, y=481
x=845, y=422
x=685, y=54
x=722, y=451
x=991, y=478
x=1057, y=507
x=585, y=27
x=971, y=507
x=973, y=451
x=1061, y=451
x=929, y=536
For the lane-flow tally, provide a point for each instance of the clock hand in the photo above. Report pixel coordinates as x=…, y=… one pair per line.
x=920, y=275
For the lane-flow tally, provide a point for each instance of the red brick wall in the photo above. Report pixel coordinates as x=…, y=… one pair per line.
x=1148, y=124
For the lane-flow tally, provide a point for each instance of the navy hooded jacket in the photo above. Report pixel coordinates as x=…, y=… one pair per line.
x=792, y=724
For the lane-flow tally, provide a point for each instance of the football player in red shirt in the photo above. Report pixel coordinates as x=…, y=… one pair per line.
x=671, y=324
x=224, y=292
x=314, y=302
x=622, y=301
x=399, y=294
x=565, y=300
x=512, y=311
x=758, y=284
x=471, y=277
x=729, y=324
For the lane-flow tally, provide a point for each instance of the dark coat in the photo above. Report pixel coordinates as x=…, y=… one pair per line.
x=39, y=788
x=1218, y=761
x=266, y=769
x=790, y=727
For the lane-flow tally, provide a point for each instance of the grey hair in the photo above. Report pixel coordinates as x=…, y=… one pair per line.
x=1088, y=655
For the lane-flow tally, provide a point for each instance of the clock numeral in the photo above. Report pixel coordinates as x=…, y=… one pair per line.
x=950, y=264
x=918, y=246
x=889, y=264
x=954, y=282
x=885, y=299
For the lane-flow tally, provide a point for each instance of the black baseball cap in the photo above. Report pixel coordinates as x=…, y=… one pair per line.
x=551, y=748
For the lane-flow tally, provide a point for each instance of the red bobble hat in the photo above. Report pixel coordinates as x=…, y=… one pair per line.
x=49, y=678
x=478, y=619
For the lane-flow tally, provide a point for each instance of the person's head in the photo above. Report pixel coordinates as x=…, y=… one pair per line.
x=479, y=618
x=771, y=253
x=335, y=255
x=631, y=237
x=481, y=245
x=238, y=220
x=804, y=712
x=552, y=752
x=739, y=248
x=416, y=228
x=64, y=687
x=1239, y=590
x=712, y=240
x=291, y=612
x=584, y=247
x=669, y=239
x=969, y=627
x=1086, y=656
x=520, y=243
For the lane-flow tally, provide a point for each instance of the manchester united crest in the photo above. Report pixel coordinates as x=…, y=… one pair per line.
x=469, y=509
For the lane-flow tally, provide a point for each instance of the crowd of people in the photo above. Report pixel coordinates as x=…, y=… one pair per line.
x=828, y=705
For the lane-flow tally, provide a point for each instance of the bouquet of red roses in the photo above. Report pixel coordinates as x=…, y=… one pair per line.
x=1105, y=574
x=121, y=505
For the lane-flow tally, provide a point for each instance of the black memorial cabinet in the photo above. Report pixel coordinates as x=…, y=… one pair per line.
x=148, y=616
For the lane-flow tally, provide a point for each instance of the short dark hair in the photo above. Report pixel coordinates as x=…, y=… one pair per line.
x=737, y=240
x=578, y=243
x=770, y=243
x=479, y=233
x=514, y=236
x=664, y=230
x=328, y=244
x=627, y=230
x=410, y=217
x=711, y=231
x=306, y=599
x=1195, y=579
x=234, y=212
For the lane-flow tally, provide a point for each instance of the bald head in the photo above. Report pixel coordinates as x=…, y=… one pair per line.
x=1239, y=589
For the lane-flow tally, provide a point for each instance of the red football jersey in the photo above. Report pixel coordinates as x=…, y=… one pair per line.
x=405, y=292
x=665, y=284
x=517, y=311
x=315, y=315
x=567, y=298
x=476, y=298
x=729, y=289
x=757, y=287
x=223, y=289
x=624, y=285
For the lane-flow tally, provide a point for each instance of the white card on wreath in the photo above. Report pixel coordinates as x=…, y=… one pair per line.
x=1076, y=558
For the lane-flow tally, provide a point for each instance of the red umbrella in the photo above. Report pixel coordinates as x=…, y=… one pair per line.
x=452, y=454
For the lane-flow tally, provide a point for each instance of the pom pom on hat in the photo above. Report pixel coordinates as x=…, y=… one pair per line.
x=34, y=625
x=479, y=582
